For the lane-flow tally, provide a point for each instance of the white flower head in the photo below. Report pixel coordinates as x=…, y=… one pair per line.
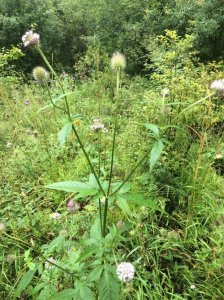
x=98, y=125
x=9, y=145
x=31, y=39
x=192, y=287
x=165, y=92
x=56, y=215
x=2, y=227
x=48, y=264
x=118, y=61
x=218, y=85
x=125, y=271
x=40, y=74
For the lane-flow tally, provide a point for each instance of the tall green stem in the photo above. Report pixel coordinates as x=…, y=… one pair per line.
x=112, y=154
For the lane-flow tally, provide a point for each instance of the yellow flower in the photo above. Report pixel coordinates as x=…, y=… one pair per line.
x=77, y=122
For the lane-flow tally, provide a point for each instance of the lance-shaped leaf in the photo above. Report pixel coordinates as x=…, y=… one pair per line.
x=24, y=282
x=108, y=286
x=155, y=154
x=64, y=132
x=139, y=199
x=73, y=187
x=154, y=129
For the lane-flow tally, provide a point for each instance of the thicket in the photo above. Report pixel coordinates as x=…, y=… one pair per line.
x=68, y=28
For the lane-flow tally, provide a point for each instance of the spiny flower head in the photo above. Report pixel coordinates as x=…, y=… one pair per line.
x=40, y=75
x=31, y=39
x=2, y=227
x=118, y=61
x=125, y=271
x=98, y=125
x=165, y=92
x=218, y=85
x=26, y=102
x=56, y=215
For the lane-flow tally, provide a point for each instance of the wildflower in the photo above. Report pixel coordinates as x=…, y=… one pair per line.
x=125, y=271
x=55, y=215
x=10, y=258
x=103, y=200
x=218, y=85
x=35, y=133
x=118, y=61
x=166, y=110
x=98, y=125
x=2, y=227
x=40, y=75
x=219, y=156
x=192, y=287
x=9, y=145
x=165, y=92
x=120, y=224
x=77, y=122
x=48, y=264
x=31, y=39
x=63, y=232
x=27, y=102
x=72, y=206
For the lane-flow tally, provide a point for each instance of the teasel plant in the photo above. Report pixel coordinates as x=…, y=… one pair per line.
x=102, y=189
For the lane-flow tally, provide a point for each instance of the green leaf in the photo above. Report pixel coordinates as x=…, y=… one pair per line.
x=123, y=204
x=85, y=292
x=24, y=282
x=73, y=186
x=68, y=294
x=153, y=128
x=95, y=231
x=139, y=199
x=55, y=243
x=63, y=134
x=86, y=253
x=155, y=154
x=108, y=286
x=96, y=273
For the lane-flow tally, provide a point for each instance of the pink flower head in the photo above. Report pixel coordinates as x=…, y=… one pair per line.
x=72, y=206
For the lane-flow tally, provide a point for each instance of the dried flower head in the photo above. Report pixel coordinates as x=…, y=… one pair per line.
x=56, y=215
x=26, y=102
x=166, y=110
x=118, y=61
x=35, y=133
x=2, y=227
x=10, y=258
x=219, y=156
x=165, y=92
x=120, y=224
x=41, y=75
x=125, y=271
x=218, y=85
x=48, y=264
x=9, y=145
x=98, y=125
x=72, y=206
x=31, y=39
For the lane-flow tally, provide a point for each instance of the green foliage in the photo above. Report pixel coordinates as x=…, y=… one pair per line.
x=108, y=286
